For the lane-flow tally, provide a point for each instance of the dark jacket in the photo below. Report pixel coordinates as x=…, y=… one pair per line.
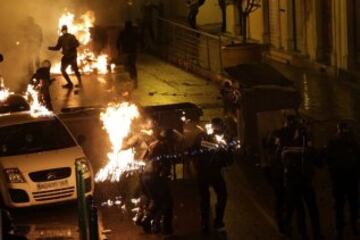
x=343, y=156
x=68, y=43
x=41, y=76
x=210, y=162
x=127, y=41
x=161, y=157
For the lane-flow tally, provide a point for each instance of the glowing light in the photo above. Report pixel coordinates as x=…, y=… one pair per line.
x=4, y=92
x=148, y=132
x=37, y=108
x=209, y=129
x=117, y=121
x=220, y=139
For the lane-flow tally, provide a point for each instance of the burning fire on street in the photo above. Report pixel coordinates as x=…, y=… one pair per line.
x=37, y=108
x=117, y=121
x=87, y=60
x=4, y=91
x=32, y=96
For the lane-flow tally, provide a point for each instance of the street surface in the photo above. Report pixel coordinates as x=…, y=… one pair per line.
x=249, y=212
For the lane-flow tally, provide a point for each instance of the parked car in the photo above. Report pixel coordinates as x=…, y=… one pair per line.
x=37, y=161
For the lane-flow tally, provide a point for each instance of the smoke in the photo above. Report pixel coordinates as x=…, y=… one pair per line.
x=15, y=16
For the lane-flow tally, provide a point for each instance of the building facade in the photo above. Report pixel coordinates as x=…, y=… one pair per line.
x=324, y=32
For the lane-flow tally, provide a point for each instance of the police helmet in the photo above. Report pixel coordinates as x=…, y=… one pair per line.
x=168, y=135
x=218, y=125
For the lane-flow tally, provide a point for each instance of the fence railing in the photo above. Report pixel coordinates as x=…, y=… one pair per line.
x=190, y=48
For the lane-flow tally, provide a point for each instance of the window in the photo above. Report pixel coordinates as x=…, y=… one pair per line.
x=34, y=137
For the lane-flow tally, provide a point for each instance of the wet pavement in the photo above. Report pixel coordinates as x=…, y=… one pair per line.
x=324, y=98
x=249, y=212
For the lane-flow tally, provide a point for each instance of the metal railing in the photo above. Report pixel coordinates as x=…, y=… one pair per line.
x=190, y=48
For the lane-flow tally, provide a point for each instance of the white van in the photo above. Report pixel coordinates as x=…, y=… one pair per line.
x=37, y=161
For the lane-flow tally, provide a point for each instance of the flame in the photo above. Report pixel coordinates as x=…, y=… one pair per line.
x=37, y=109
x=220, y=139
x=209, y=129
x=81, y=28
x=4, y=91
x=87, y=60
x=117, y=121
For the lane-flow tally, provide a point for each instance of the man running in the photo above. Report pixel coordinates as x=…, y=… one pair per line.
x=69, y=44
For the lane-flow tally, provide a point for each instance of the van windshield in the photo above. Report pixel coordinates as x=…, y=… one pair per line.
x=34, y=137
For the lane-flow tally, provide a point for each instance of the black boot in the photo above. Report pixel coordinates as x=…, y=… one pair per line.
x=146, y=224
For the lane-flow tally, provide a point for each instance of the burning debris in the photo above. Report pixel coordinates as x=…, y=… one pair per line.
x=117, y=121
x=4, y=91
x=37, y=108
x=31, y=96
x=87, y=60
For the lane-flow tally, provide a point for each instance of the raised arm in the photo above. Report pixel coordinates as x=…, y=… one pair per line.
x=58, y=45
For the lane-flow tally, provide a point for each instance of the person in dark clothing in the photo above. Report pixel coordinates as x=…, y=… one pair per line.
x=127, y=44
x=273, y=145
x=194, y=6
x=69, y=44
x=147, y=22
x=155, y=182
x=230, y=96
x=7, y=227
x=343, y=159
x=209, y=165
x=299, y=160
x=274, y=171
x=41, y=81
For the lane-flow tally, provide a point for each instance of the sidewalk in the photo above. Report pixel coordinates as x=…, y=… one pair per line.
x=159, y=83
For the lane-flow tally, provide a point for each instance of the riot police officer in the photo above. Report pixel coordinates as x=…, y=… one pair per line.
x=155, y=181
x=299, y=159
x=274, y=145
x=343, y=158
x=210, y=161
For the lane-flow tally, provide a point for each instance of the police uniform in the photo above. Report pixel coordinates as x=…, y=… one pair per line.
x=299, y=161
x=344, y=164
x=209, y=165
x=155, y=183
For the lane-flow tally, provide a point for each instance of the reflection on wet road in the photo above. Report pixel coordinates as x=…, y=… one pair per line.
x=324, y=98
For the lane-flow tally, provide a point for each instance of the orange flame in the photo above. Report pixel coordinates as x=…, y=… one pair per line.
x=117, y=121
x=87, y=60
x=37, y=109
